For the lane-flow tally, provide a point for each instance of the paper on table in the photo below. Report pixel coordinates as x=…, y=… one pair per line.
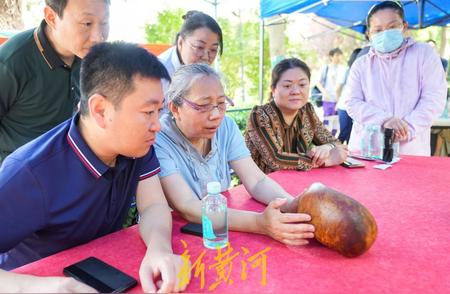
x=382, y=166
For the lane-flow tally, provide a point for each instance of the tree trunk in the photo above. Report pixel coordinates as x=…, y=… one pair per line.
x=11, y=15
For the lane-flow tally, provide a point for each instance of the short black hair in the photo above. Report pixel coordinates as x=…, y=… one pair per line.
x=335, y=51
x=397, y=6
x=285, y=65
x=194, y=20
x=109, y=68
x=59, y=5
x=353, y=56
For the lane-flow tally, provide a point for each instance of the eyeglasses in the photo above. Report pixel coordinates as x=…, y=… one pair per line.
x=221, y=106
x=199, y=51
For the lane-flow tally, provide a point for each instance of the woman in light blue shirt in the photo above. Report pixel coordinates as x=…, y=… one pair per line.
x=198, y=144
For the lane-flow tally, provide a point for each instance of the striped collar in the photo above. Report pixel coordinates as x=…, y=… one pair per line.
x=49, y=54
x=82, y=150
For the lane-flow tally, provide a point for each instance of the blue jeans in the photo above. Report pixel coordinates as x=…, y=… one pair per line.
x=329, y=110
x=346, y=123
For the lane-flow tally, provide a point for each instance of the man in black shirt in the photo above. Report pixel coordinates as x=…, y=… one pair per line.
x=39, y=69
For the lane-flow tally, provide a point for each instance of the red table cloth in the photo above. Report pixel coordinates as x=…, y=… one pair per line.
x=410, y=202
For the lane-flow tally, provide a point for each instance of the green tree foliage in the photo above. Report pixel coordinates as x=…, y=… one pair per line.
x=240, y=117
x=433, y=33
x=166, y=28
x=251, y=58
x=169, y=23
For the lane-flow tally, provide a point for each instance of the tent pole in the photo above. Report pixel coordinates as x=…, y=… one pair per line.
x=261, y=61
x=421, y=7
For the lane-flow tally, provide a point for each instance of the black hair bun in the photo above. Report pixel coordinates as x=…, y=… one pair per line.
x=189, y=14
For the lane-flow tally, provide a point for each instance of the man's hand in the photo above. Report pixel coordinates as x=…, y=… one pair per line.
x=399, y=126
x=162, y=272
x=285, y=227
x=12, y=282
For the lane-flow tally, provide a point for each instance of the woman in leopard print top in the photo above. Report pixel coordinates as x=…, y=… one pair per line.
x=286, y=133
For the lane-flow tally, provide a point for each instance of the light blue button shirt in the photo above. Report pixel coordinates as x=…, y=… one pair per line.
x=177, y=155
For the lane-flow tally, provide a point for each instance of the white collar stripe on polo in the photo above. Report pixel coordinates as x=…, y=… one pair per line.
x=83, y=158
x=149, y=174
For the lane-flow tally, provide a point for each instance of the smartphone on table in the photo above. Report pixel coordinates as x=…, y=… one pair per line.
x=99, y=275
x=352, y=163
x=193, y=229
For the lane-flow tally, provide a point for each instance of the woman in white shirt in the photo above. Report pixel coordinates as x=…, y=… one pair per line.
x=198, y=41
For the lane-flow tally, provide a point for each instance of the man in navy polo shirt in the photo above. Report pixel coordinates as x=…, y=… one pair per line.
x=75, y=183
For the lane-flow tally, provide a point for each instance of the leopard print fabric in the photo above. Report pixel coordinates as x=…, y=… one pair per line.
x=274, y=145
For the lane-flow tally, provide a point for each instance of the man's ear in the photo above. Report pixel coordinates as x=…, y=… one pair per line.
x=97, y=109
x=50, y=17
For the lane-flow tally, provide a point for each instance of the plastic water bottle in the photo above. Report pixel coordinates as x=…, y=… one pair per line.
x=214, y=217
x=371, y=143
x=396, y=147
x=365, y=141
x=376, y=143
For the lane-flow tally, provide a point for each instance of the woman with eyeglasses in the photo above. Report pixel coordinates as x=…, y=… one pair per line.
x=400, y=84
x=286, y=133
x=198, y=41
x=198, y=144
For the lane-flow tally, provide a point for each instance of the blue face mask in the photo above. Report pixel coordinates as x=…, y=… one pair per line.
x=387, y=41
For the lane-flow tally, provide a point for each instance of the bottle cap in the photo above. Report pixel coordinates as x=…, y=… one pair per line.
x=213, y=188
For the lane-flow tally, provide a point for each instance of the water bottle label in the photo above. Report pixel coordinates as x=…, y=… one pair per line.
x=208, y=231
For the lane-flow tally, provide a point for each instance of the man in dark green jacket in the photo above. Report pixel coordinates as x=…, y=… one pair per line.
x=39, y=69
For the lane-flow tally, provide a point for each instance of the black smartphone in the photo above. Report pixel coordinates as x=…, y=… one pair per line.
x=352, y=163
x=193, y=229
x=99, y=275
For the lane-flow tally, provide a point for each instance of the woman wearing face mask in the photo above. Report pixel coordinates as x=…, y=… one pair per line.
x=399, y=84
x=286, y=132
x=198, y=144
x=198, y=41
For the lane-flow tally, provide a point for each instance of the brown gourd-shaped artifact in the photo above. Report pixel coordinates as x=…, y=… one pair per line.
x=341, y=223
